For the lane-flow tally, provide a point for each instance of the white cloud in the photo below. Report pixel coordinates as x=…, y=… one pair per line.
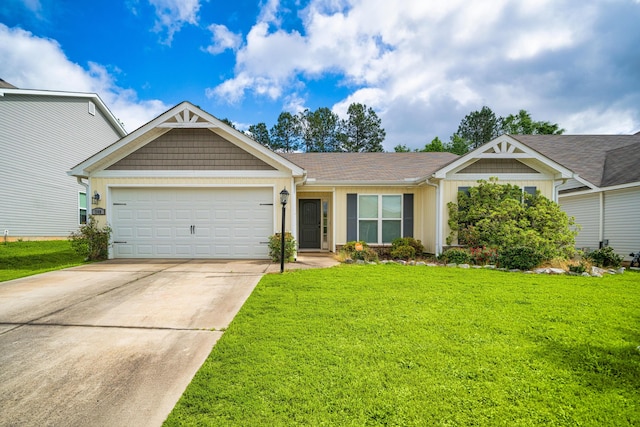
x=442, y=59
x=223, y=39
x=613, y=120
x=173, y=14
x=31, y=62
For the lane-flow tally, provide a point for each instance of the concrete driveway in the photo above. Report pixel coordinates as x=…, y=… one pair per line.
x=114, y=343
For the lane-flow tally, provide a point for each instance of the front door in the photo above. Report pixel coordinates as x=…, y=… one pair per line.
x=310, y=224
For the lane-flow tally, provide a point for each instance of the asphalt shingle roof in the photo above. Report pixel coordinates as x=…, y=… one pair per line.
x=603, y=160
x=373, y=167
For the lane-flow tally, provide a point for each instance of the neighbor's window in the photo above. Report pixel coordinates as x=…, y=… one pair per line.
x=82, y=208
x=379, y=218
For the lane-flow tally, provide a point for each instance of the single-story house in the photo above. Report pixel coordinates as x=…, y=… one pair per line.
x=187, y=185
x=41, y=134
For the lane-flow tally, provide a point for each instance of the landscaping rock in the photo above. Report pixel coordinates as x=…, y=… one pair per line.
x=620, y=270
x=464, y=266
x=453, y=264
x=556, y=271
x=431, y=264
x=585, y=274
x=596, y=271
x=490, y=266
x=421, y=263
x=541, y=270
x=360, y=262
x=348, y=261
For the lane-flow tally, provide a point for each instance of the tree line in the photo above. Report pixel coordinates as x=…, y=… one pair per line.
x=323, y=130
x=480, y=127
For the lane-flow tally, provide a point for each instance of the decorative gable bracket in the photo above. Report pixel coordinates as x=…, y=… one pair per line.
x=187, y=119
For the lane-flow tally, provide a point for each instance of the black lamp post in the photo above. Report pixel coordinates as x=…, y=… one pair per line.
x=284, y=198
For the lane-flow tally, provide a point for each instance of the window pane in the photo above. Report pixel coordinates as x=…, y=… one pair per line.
x=390, y=230
x=368, y=206
x=83, y=216
x=391, y=207
x=82, y=201
x=369, y=231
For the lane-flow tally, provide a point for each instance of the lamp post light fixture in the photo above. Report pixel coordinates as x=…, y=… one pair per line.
x=284, y=198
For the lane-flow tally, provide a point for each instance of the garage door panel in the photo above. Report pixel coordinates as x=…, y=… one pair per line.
x=192, y=222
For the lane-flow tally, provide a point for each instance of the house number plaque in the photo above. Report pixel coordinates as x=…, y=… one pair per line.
x=98, y=211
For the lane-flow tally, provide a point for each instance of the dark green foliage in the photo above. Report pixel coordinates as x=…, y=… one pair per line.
x=479, y=127
x=366, y=254
x=320, y=130
x=502, y=216
x=91, y=241
x=275, y=243
x=260, y=134
x=605, y=257
x=522, y=124
x=285, y=134
x=417, y=245
x=519, y=257
x=405, y=252
x=401, y=148
x=434, y=146
x=456, y=256
x=362, y=130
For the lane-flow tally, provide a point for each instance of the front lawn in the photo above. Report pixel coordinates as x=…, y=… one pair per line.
x=399, y=345
x=20, y=259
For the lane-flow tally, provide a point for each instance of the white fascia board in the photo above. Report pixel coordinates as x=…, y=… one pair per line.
x=92, y=96
x=250, y=174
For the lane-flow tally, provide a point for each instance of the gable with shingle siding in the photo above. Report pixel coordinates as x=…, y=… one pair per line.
x=190, y=149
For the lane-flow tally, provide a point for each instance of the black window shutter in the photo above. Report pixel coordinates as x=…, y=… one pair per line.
x=352, y=217
x=407, y=217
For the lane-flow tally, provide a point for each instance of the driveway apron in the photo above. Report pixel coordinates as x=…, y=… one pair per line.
x=113, y=343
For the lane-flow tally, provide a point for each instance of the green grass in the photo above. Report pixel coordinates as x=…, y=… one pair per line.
x=396, y=345
x=20, y=259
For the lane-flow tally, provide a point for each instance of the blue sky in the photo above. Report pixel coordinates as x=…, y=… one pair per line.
x=421, y=64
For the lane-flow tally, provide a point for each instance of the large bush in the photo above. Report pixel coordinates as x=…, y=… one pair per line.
x=519, y=257
x=91, y=241
x=502, y=216
x=406, y=248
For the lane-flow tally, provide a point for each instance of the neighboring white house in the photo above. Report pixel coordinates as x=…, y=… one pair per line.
x=41, y=134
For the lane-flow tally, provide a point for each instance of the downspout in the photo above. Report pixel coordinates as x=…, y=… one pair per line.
x=557, y=184
x=438, y=230
x=88, y=194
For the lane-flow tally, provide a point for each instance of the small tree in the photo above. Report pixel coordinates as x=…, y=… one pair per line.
x=503, y=216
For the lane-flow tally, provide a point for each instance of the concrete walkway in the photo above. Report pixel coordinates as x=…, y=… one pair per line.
x=116, y=343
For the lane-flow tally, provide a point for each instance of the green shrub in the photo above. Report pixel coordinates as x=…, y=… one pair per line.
x=605, y=257
x=519, y=257
x=403, y=252
x=91, y=241
x=417, y=245
x=502, y=216
x=484, y=255
x=456, y=256
x=366, y=254
x=275, y=243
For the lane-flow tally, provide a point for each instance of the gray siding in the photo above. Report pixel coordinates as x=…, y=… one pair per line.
x=621, y=213
x=586, y=211
x=41, y=138
x=190, y=149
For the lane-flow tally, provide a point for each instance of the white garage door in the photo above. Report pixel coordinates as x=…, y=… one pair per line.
x=192, y=222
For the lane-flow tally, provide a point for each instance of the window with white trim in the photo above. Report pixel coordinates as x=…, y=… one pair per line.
x=379, y=218
x=82, y=208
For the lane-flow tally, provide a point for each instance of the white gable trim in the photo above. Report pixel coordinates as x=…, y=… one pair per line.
x=183, y=115
x=504, y=147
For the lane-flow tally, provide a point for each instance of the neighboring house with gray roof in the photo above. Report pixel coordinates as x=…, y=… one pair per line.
x=41, y=133
x=604, y=196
